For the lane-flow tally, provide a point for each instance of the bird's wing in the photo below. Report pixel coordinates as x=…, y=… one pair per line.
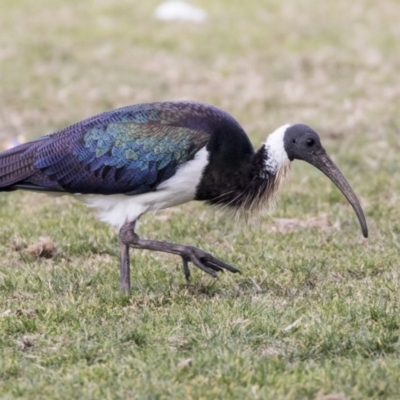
x=122, y=151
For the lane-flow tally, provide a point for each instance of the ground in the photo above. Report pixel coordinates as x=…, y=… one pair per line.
x=315, y=311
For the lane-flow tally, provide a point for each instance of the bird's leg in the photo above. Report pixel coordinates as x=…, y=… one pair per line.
x=125, y=272
x=186, y=269
x=201, y=259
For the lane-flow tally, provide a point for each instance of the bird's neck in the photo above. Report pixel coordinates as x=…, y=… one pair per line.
x=276, y=157
x=251, y=184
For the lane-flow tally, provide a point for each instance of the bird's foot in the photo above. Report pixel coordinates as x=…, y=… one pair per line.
x=201, y=259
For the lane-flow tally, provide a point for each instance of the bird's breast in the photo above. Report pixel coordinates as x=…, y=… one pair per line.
x=116, y=209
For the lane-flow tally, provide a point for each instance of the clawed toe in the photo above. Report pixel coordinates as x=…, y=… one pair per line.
x=199, y=264
x=204, y=261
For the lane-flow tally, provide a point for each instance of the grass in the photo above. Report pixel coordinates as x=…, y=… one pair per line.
x=315, y=310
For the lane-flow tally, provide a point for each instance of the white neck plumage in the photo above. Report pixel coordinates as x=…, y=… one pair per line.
x=275, y=150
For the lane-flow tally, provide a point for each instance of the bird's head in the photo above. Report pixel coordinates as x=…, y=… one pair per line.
x=303, y=143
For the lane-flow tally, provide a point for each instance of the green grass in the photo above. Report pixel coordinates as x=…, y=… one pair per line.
x=316, y=309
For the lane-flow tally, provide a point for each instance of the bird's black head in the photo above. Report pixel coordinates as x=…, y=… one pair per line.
x=301, y=142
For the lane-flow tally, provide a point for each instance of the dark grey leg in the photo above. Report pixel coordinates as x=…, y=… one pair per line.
x=201, y=259
x=125, y=272
x=186, y=269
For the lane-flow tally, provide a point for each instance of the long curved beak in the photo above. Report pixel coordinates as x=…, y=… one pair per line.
x=323, y=162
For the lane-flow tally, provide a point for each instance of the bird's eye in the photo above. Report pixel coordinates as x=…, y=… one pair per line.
x=294, y=141
x=310, y=142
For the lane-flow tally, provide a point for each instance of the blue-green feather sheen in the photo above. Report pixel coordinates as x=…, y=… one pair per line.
x=133, y=145
x=130, y=150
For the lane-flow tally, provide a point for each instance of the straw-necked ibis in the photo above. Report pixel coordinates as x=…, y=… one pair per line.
x=147, y=157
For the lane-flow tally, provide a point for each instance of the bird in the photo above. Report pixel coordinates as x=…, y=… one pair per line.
x=147, y=157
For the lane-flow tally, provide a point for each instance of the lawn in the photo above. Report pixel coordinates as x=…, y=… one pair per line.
x=316, y=310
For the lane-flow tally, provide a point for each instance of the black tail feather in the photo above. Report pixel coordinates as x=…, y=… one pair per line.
x=17, y=170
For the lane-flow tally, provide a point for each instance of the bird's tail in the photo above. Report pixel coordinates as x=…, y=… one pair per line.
x=17, y=165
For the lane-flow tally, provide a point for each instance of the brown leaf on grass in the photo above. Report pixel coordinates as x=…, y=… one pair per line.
x=290, y=224
x=333, y=396
x=45, y=248
x=19, y=313
x=17, y=244
x=26, y=313
x=184, y=363
x=271, y=351
x=26, y=343
x=6, y=313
